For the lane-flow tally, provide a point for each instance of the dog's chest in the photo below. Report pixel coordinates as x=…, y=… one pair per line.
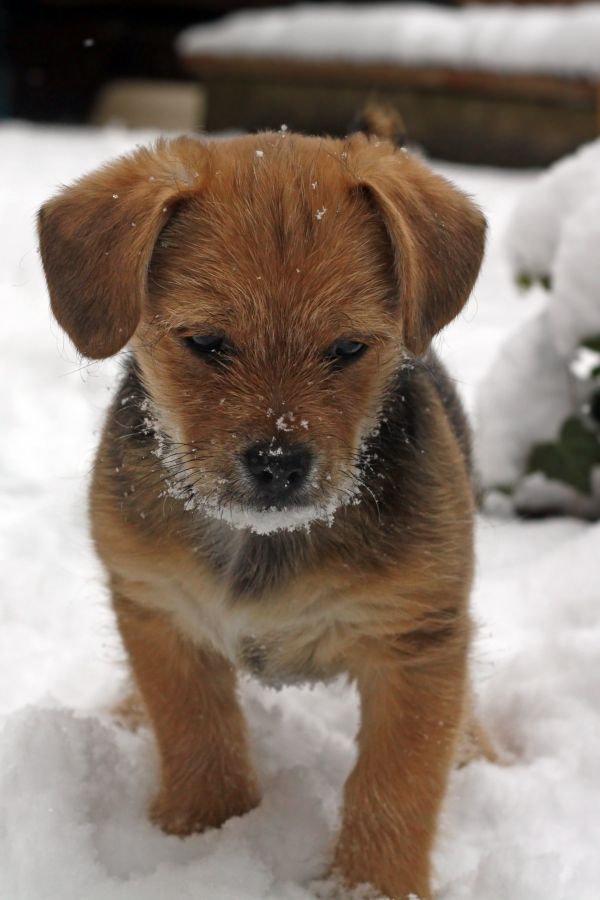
x=290, y=636
x=253, y=566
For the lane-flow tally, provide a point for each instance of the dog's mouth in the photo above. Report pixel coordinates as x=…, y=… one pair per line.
x=241, y=509
x=239, y=512
x=268, y=488
x=281, y=488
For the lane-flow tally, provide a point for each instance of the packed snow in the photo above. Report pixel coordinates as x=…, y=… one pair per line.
x=538, y=379
x=552, y=40
x=74, y=786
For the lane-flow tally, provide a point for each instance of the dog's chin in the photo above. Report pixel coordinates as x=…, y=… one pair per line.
x=265, y=521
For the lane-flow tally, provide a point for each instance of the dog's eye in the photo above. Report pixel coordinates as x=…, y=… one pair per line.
x=208, y=345
x=344, y=352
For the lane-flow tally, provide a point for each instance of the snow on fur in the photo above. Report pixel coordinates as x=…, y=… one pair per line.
x=74, y=787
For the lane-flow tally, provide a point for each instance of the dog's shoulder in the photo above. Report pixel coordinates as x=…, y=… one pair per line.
x=444, y=385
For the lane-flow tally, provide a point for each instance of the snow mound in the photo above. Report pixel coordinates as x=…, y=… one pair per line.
x=529, y=39
x=535, y=232
x=75, y=792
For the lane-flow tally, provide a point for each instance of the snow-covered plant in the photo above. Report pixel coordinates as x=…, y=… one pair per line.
x=538, y=435
x=573, y=456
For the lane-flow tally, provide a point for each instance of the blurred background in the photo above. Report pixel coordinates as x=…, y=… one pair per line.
x=491, y=84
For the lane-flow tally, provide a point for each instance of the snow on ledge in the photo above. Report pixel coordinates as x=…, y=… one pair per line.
x=524, y=39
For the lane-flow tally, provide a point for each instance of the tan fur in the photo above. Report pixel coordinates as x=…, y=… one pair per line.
x=286, y=251
x=383, y=120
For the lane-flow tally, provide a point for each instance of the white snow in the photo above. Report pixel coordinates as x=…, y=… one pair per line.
x=540, y=39
x=74, y=786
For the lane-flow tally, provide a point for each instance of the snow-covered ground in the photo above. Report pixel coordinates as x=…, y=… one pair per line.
x=74, y=786
x=505, y=38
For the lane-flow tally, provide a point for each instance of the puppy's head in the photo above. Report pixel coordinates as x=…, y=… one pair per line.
x=270, y=287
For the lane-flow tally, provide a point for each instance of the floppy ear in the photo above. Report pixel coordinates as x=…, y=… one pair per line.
x=438, y=238
x=97, y=237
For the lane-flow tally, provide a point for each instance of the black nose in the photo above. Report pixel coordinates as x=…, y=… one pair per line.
x=278, y=472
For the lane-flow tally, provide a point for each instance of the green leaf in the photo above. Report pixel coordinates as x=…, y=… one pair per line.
x=578, y=438
x=571, y=458
x=506, y=489
x=526, y=280
x=591, y=343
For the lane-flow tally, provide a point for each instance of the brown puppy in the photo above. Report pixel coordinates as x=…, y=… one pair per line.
x=283, y=481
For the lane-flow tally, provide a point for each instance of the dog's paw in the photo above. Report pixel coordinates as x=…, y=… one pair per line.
x=180, y=817
x=175, y=820
x=130, y=713
x=334, y=889
x=475, y=744
x=370, y=866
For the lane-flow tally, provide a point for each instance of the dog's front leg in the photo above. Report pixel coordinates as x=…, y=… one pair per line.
x=206, y=775
x=411, y=716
